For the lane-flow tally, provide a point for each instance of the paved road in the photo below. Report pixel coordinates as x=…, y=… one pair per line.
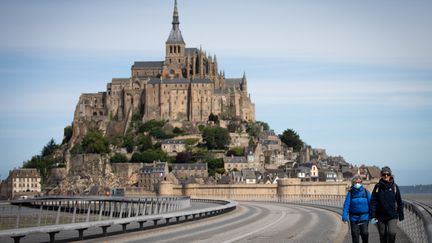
x=250, y=222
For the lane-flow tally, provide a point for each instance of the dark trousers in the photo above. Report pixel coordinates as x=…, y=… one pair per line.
x=387, y=231
x=359, y=228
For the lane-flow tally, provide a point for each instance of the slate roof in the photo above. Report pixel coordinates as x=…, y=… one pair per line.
x=191, y=51
x=248, y=174
x=150, y=64
x=175, y=36
x=374, y=171
x=190, y=166
x=173, y=141
x=235, y=159
x=201, y=80
x=153, y=168
x=231, y=82
x=120, y=80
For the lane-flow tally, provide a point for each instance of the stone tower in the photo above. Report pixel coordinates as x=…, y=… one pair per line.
x=174, y=49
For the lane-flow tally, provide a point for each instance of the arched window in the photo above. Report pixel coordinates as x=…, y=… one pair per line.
x=171, y=49
x=95, y=113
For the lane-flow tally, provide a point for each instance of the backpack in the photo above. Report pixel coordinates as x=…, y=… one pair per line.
x=376, y=188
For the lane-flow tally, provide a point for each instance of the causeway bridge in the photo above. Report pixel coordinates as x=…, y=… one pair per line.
x=244, y=218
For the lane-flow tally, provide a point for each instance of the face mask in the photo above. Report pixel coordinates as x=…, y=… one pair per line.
x=357, y=185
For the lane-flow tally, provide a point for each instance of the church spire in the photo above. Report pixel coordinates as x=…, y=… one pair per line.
x=175, y=21
x=175, y=34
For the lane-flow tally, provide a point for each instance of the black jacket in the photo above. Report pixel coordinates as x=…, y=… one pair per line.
x=386, y=204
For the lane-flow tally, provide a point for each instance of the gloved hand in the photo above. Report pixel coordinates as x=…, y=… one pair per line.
x=374, y=221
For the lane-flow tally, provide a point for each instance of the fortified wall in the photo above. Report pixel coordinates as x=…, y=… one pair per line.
x=284, y=188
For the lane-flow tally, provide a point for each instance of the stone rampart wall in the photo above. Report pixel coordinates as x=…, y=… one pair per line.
x=284, y=188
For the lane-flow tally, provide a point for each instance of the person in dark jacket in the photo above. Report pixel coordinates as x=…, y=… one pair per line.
x=386, y=206
x=356, y=205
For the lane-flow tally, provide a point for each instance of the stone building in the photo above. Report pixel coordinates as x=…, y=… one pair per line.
x=173, y=146
x=186, y=86
x=151, y=174
x=235, y=162
x=22, y=182
x=184, y=171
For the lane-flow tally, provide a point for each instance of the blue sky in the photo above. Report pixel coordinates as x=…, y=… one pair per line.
x=352, y=77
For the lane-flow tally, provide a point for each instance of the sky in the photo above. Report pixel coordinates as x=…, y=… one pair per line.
x=353, y=77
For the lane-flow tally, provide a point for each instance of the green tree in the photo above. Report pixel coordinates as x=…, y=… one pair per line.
x=215, y=165
x=151, y=125
x=214, y=118
x=67, y=134
x=119, y=158
x=216, y=137
x=129, y=143
x=236, y=151
x=49, y=148
x=291, y=139
x=183, y=157
x=136, y=117
x=144, y=142
x=253, y=129
x=149, y=156
x=177, y=130
x=95, y=142
x=264, y=125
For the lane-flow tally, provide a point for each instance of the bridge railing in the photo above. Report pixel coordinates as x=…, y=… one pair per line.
x=66, y=210
x=165, y=210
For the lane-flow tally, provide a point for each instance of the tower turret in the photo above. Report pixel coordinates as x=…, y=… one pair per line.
x=175, y=48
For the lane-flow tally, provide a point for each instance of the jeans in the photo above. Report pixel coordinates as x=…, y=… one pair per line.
x=387, y=231
x=360, y=228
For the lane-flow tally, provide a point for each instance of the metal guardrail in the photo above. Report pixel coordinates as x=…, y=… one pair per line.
x=123, y=218
x=418, y=221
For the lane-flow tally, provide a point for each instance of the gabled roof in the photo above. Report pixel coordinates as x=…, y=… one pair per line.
x=120, y=80
x=248, y=174
x=191, y=51
x=235, y=159
x=158, y=167
x=374, y=171
x=173, y=141
x=190, y=166
x=148, y=64
x=231, y=82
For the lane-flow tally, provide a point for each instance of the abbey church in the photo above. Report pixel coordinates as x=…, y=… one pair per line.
x=186, y=86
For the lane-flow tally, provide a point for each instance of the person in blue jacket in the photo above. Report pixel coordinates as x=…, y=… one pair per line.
x=356, y=206
x=387, y=206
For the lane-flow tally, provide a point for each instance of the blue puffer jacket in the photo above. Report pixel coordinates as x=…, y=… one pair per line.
x=356, y=205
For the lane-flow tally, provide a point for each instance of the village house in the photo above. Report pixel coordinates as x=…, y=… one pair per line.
x=173, y=146
x=151, y=174
x=22, y=182
x=184, y=171
x=235, y=162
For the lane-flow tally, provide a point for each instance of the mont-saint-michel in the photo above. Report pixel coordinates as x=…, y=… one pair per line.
x=165, y=141
x=179, y=120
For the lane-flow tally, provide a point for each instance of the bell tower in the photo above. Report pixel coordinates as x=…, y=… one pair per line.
x=175, y=49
